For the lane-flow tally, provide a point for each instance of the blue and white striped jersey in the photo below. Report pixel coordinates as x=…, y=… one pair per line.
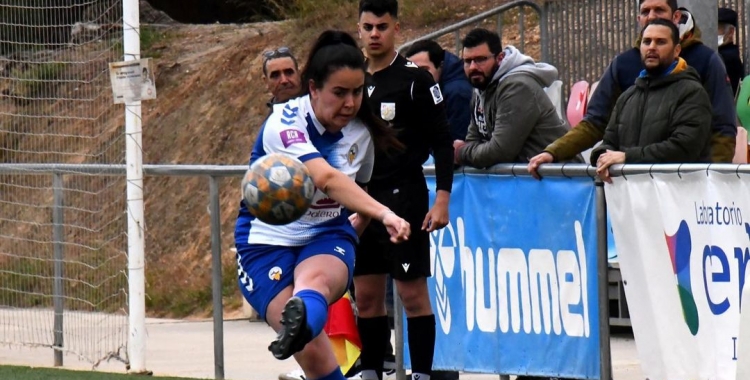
x=293, y=129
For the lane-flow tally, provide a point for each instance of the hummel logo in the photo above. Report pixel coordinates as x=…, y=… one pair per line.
x=340, y=250
x=406, y=267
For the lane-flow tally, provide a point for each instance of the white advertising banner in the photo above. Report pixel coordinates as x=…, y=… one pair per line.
x=682, y=242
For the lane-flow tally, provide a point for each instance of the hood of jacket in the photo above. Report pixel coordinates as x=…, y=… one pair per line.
x=516, y=62
x=678, y=71
x=453, y=68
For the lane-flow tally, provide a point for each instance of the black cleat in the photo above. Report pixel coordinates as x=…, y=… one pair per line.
x=294, y=334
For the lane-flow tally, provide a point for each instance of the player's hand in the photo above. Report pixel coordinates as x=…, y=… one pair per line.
x=359, y=222
x=541, y=158
x=397, y=227
x=437, y=217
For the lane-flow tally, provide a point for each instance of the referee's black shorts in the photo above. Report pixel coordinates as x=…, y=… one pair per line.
x=408, y=260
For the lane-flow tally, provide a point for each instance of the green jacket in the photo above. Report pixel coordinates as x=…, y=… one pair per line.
x=661, y=119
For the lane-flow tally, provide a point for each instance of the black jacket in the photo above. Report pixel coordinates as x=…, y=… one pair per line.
x=730, y=54
x=410, y=100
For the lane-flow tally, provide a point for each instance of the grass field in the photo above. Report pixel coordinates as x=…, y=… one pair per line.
x=28, y=373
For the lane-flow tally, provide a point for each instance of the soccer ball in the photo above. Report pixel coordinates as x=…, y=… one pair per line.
x=277, y=189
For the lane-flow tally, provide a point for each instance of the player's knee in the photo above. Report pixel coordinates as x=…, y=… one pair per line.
x=370, y=302
x=416, y=304
x=415, y=298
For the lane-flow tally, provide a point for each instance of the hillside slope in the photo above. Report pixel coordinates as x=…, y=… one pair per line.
x=210, y=105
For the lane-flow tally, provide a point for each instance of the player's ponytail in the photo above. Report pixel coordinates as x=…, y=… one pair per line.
x=334, y=50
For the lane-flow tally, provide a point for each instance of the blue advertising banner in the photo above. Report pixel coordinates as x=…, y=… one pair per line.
x=514, y=285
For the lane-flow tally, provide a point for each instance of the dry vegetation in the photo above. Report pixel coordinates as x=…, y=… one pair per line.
x=211, y=102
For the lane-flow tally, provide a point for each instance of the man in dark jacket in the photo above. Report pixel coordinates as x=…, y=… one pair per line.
x=622, y=73
x=512, y=117
x=448, y=71
x=729, y=50
x=665, y=117
x=281, y=75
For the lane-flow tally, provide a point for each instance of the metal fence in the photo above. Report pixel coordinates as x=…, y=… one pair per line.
x=585, y=35
x=743, y=34
x=214, y=174
x=579, y=37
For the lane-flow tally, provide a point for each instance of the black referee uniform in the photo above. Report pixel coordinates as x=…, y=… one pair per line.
x=408, y=98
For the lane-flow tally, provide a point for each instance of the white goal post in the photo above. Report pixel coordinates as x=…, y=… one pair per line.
x=71, y=236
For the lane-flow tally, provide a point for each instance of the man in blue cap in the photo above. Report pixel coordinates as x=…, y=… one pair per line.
x=728, y=49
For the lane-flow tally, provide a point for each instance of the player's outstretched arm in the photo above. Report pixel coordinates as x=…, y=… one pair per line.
x=345, y=191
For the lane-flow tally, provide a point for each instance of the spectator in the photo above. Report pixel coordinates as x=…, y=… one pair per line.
x=281, y=74
x=622, y=73
x=448, y=72
x=413, y=103
x=668, y=99
x=512, y=117
x=728, y=49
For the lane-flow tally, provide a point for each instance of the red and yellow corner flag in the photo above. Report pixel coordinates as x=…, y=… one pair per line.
x=341, y=328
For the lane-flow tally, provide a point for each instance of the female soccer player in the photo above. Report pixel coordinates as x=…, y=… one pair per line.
x=291, y=273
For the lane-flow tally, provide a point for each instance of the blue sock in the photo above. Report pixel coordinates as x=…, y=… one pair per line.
x=317, y=310
x=335, y=375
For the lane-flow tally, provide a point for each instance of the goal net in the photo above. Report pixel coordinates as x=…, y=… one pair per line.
x=63, y=221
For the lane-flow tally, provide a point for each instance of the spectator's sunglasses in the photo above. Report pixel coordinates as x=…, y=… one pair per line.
x=278, y=53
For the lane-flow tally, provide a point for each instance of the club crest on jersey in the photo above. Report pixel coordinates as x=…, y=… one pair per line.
x=274, y=274
x=437, y=96
x=388, y=111
x=352, y=153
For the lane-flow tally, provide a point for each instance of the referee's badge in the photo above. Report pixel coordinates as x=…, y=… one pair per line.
x=387, y=111
x=437, y=96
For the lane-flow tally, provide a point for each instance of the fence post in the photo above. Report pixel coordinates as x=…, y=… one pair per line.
x=457, y=35
x=134, y=191
x=216, y=282
x=58, y=238
x=522, y=28
x=706, y=15
x=543, y=31
x=499, y=25
x=398, y=327
x=603, y=278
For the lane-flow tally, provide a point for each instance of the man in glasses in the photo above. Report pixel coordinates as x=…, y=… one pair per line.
x=511, y=116
x=281, y=74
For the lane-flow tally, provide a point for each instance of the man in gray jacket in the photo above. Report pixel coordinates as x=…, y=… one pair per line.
x=666, y=116
x=511, y=116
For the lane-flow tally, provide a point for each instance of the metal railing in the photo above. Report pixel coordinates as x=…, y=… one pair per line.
x=581, y=37
x=498, y=12
x=214, y=173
